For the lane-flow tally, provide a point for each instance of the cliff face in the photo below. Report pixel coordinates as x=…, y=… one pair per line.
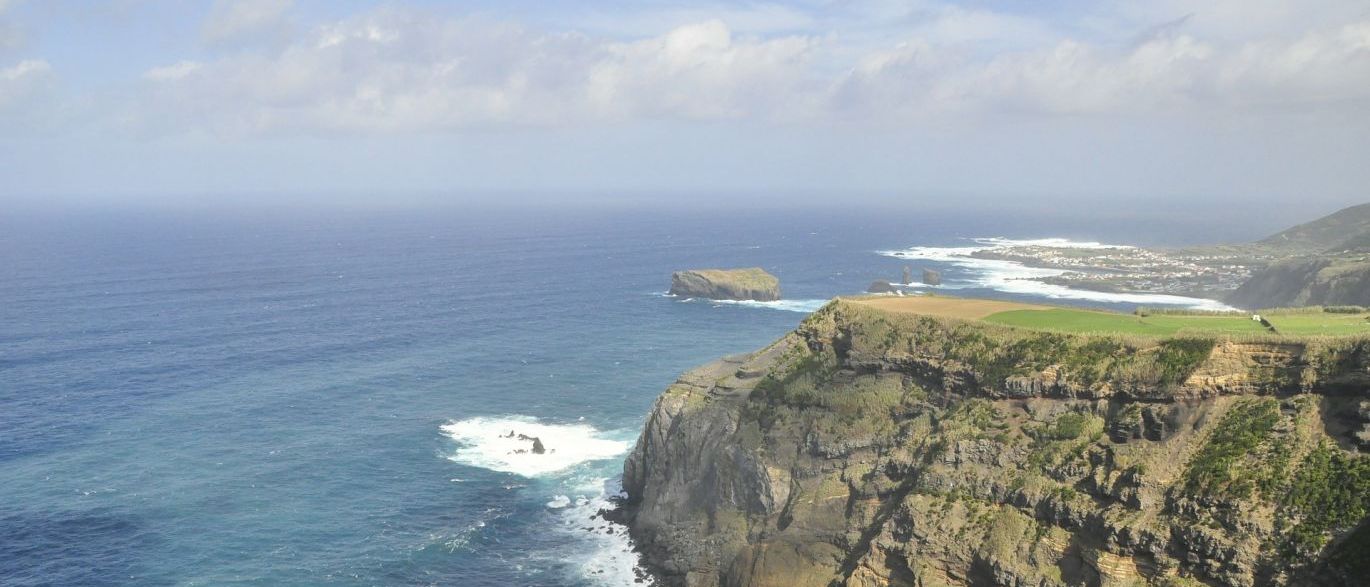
x=869, y=449
x=726, y=284
x=1306, y=282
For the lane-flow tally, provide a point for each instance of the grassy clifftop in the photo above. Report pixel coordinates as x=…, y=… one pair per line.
x=1296, y=322
x=872, y=448
x=1093, y=358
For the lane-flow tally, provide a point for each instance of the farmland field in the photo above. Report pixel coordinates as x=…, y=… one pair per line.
x=1072, y=320
x=1295, y=322
x=1320, y=323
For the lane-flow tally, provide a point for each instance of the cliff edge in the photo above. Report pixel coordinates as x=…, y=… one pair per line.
x=869, y=448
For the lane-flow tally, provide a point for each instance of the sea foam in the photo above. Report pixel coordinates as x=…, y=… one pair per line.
x=484, y=442
x=1014, y=277
x=805, y=306
x=611, y=560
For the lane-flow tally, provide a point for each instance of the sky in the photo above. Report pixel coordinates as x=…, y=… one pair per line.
x=1227, y=101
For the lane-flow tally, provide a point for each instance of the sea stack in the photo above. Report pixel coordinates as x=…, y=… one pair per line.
x=908, y=276
x=931, y=277
x=751, y=283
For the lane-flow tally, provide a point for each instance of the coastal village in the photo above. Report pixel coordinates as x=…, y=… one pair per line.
x=1200, y=271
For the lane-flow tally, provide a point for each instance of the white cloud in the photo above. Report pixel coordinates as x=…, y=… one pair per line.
x=25, y=68
x=232, y=19
x=174, y=71
x=394, y=70
x=1324, y=70
x=1324, y=67
x=397, y=71
x=21, y=85
x=701, y=71
x=765, y=18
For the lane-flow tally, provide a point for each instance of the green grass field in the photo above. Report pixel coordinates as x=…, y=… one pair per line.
x=1320, y=323
x=1070, y=320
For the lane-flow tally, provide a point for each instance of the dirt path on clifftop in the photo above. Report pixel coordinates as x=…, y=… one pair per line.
x=966, y=308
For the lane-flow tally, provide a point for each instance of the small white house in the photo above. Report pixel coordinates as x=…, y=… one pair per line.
x=1256, y=317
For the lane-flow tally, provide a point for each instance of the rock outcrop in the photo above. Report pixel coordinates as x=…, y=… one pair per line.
x=870, y=449
x=726, y=284
x=881, y=286
x=931, y=277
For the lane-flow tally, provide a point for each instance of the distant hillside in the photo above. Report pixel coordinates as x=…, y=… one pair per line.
x=1329, y=233
x=1314, y=281
x=1356, y=244
x=1324, y=263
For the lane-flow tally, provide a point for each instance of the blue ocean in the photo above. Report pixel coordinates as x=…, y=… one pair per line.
x=293, y=396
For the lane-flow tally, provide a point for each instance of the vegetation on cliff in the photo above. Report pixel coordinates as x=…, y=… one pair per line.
x=878, y=448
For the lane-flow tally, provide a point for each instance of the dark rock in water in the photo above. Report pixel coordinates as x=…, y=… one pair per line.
x=931, y=277
x=908, y=275
x=880, y=286
x=538, y=448
x=726, y=284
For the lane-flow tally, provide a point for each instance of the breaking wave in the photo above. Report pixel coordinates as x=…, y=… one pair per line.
x=611, y=560
x=486, y=443
x=804, y=306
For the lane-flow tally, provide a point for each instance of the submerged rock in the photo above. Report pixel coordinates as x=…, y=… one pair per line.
x=726, y=284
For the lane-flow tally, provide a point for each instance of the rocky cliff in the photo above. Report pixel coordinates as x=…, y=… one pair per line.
x=868, y=449
x=726, y=284
x=1321, y=281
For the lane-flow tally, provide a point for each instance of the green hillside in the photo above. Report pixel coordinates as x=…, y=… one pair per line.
x=1331, y=232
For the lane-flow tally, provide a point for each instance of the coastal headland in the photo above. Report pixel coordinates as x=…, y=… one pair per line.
x=915, y=441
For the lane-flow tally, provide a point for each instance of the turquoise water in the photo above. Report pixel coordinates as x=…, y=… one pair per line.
x=301, y=398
